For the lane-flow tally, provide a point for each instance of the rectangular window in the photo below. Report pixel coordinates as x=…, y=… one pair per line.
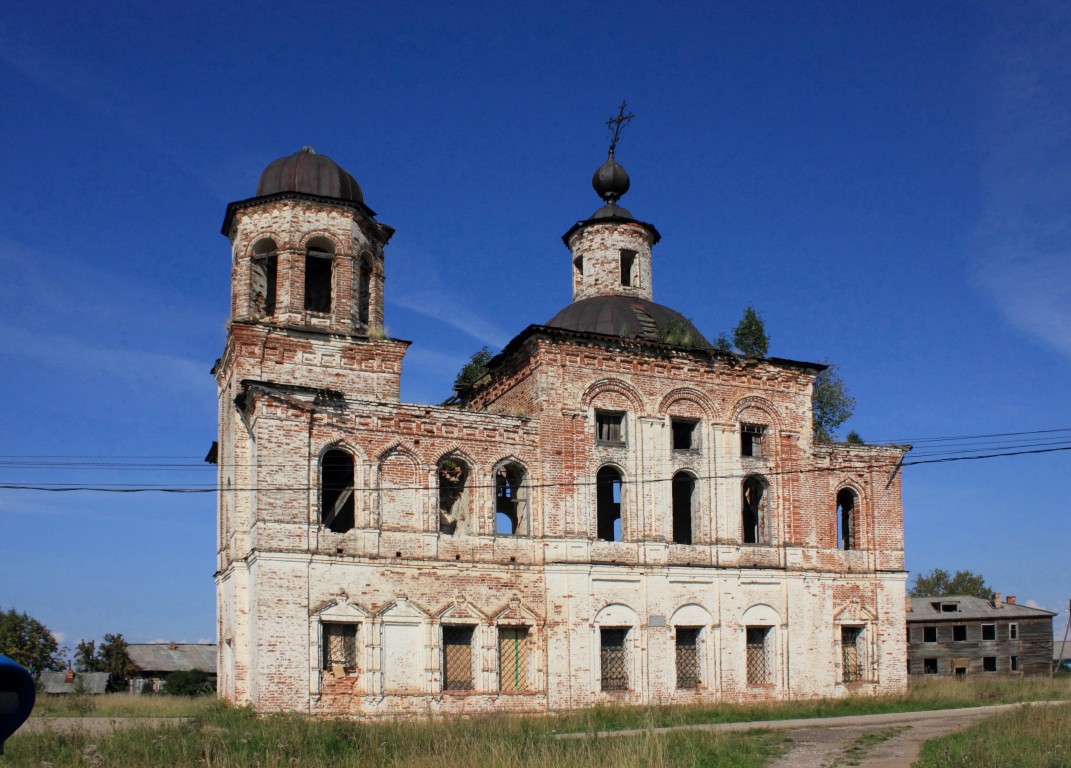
x=1013, y=631
x=318, y=281
x=457, y=658
x=752, y=437
x=684, y=434
x=929, y=666
x=340, y=649
x=1014, y=665
x=610, y=427
x=959, y=632
x=628, y=258
x=612, y=661
x=989, y=631
x=909, y=634
x=949, y=607
x=688, y=675
x=909, y=666
x=851, y=644
x=929, y=634
x=759, y=663
x=989, y=663
x=513, y=659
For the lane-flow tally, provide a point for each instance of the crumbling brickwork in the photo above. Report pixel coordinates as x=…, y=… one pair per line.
x=603, y=517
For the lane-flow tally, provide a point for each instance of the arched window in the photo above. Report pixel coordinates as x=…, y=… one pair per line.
x=755, y=511
x=511, y=500
x=846, y=501
x=336, y=491
x=683, y=507
x=608, y=504
x=453, y=495
x=264, y=271
x=319, y=260
x=364, y=289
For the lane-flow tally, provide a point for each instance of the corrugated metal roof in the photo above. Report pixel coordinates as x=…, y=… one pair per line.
x=969, y=607
x=91, y=682
x=173, y=657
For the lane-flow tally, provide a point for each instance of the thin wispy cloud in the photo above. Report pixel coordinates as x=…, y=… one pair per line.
x=452, y=311
x=1024, y=240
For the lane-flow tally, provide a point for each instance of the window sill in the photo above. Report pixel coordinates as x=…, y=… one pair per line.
x=611, y=443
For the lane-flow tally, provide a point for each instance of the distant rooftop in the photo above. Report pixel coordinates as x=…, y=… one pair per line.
x=959, y=607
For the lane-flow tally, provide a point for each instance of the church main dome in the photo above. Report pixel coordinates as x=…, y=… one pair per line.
x=309, y=173
x=629, y=317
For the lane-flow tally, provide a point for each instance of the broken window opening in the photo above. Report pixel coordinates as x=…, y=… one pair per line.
x=929, y=666
x=1014, y=663
x=265, y=275
x=613, y=659
x=683, y=507
x=453, y=476
x=610, y=427
x=752, y=437
x=608, y=504
x=929, y=634
x=959, y=633
x=755, y=511
x=457, y=658
x=947, y=607
x=989, y=631
x=846, y=519
x=688, y=667
x=319, y=262
x=513, y=659
x=852, y=653
x=336, y=491
x=684, y=434
x=364, y=289
x=511, y=500
x=628, y=259
x=578, y=265
x=759, y=662
x=339, y=649
x=989, y=663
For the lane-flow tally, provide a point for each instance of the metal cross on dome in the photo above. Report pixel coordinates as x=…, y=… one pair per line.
x=615, y=124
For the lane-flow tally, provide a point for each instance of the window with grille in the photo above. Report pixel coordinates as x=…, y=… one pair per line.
x=457, y=658
x=513, y=658
x=612, y=658
x=688, y=673
x=340, y=649
x=759, y=663
x=851, y=644
x=610, y=427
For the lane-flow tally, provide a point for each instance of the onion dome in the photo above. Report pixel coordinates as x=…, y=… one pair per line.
x=629, y=317
x=610, y=180
x=308, y=173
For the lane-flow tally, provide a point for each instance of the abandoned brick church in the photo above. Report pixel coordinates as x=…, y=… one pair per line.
x=617, y=511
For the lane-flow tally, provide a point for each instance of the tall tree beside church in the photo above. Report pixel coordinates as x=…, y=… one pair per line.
x=115, y=660
x=28, y=642
x=940, y=583
x=749, y=336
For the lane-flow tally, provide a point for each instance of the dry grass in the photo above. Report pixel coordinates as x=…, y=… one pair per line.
x=120, y=705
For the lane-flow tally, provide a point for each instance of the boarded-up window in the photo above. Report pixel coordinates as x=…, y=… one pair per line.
x=759, y=662
x=612, y=658
x=513, y=659
x=688, y=673
x=457, y=658
x=340, y=648
x=851, y=645
x=610, y=427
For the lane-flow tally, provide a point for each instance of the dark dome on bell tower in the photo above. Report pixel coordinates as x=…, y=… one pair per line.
x=308, y=173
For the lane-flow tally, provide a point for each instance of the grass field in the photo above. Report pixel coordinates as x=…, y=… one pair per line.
x=208, y=734
x=1034, y=737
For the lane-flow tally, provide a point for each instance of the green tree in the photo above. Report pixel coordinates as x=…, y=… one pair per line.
x=749, y=336
x=85, y=657
x=723, y=342
x=473, y=370
x=939, y=583
x=114, y=658
x=831, y=405
x=853, y=438
x=29, y=643
x=188, y=683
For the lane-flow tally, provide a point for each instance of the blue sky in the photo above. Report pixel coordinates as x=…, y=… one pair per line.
x=888, y=184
